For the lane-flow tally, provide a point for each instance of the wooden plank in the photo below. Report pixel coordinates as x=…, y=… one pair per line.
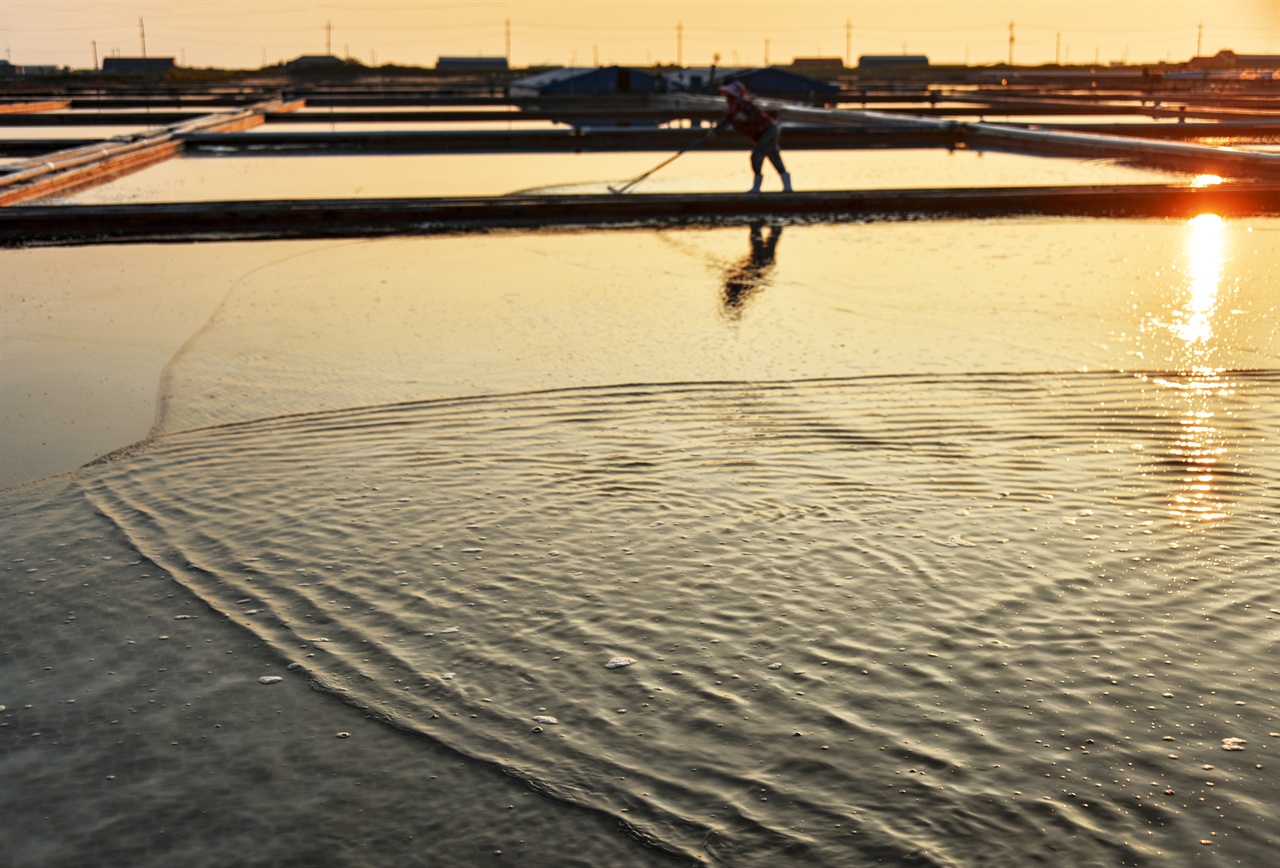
x=18, y=108
x=73, y=169
x=62, y=183
x=44, y=225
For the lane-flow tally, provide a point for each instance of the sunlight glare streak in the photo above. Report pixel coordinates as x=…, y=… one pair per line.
x=1198, y=446
x=1205, y=247
x=1205, y=181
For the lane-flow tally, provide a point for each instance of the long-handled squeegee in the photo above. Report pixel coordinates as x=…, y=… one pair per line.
x=627, y=186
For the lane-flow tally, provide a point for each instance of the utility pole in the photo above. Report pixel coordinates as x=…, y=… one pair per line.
x=680, y=44
x=848, y=43
x=766, y=52
x=328, y=37
x=1011, y=43
x=95, y=54
x=1199, y=39
x=142, y=32
x=508, y=29
x=1057, y=53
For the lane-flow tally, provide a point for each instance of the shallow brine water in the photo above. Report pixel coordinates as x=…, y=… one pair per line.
x=936, y=620
x=268, y=175
x=850, y=550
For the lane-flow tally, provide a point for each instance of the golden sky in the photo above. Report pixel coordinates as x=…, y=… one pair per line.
x=249, y=33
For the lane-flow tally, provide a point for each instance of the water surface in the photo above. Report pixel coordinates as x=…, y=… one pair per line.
x=933, y=543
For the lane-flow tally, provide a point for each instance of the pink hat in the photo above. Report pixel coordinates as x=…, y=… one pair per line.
x=733, y=90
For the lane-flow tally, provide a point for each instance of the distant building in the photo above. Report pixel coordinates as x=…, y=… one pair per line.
x=584, y=81
x=1228, y=59
x=818, y=65
x=154, y=67
x=472, y=64
x=891, y=61
x=7, y=69
x=577, y=81
x=315, y=63
x=764, y=81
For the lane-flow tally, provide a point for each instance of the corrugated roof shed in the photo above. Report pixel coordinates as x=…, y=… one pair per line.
x=581, y=81
x=765, y=81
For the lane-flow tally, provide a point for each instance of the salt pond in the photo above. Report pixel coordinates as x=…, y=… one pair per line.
x=268, y=176
x=944, y=542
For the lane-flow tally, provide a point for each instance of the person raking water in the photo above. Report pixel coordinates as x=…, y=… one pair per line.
x=749, y=119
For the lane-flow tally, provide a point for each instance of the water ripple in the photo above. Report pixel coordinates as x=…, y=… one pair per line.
x=927, y=620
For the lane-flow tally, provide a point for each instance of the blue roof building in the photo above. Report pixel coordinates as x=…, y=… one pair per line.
x=763, y=81
x=584, y=81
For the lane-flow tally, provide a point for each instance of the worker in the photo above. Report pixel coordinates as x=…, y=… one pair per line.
x=750, y=120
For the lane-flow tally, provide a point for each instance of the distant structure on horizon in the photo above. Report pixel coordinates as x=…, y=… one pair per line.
x=892, y=61
x=584, y=81
x=315, y=63
x=148, y=66
x=1228, y=59
x=595, y=81
x=818, y=65
x=472, y=64
x=763, y=80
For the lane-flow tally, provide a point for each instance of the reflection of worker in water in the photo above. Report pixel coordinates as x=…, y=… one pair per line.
x=750, y=275
x=749, y=119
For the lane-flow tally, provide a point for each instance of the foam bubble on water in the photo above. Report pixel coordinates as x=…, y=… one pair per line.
x=270, y=679
x=545, y=718
x=618, y=663
x=1233, y=743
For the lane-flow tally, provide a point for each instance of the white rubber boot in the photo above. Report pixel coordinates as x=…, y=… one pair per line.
x=755, y=188
x=786, y=182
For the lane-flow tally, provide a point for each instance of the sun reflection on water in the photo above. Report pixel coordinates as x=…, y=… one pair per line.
x=1197, y=446
x=1197, y=449
x=1206, y=246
